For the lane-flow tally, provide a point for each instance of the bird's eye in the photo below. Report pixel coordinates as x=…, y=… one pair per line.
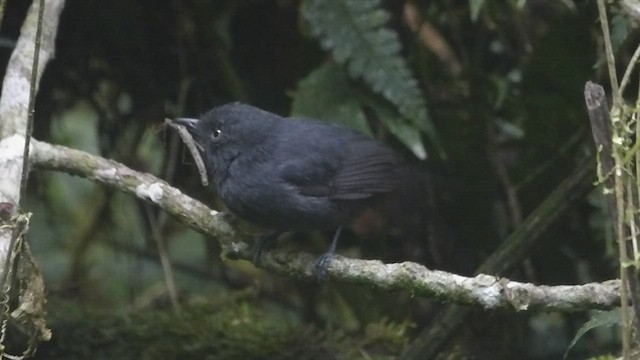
x=215, y=135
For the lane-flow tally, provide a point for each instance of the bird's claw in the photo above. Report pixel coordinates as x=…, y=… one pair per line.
x=322, y=265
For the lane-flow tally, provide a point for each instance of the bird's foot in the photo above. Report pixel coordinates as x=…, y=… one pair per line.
x=322, y=265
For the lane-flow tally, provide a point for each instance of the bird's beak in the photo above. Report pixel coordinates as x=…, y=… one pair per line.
x=190, y=124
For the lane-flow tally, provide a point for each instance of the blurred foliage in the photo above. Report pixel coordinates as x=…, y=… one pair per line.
x=236, y=327
x=598, y=320
x=329, y=85
x=355, y=31
x=496, y=85
x=327, y=94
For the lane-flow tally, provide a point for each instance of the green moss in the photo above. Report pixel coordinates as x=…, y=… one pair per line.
x=235, y=329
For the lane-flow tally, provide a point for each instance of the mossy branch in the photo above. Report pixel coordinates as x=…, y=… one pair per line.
x=485, y=291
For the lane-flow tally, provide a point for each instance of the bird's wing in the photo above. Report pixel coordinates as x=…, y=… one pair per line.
x=359, y=168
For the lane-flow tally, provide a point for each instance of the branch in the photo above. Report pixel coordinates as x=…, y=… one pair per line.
x=507, y=256
x=15, y=88
x=14, y=103
x=486, y=291
x=39, y=29
x=600, y=120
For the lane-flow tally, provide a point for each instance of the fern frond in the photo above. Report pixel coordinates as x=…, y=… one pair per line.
x=356, y=32
x=326, y=94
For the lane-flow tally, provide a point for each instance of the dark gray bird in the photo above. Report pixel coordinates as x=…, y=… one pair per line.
x=291, y=173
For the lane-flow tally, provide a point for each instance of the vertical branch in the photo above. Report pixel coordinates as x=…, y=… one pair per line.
x=613, y=175
x=4, y=276
x=14, y=104
x=634, y=150
x=625, y=219
x=611, y=62
x=32, y=101
x=14, y=101
x=618, y=176
x=34, y=48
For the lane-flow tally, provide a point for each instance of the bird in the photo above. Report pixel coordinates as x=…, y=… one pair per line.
x=292, y=173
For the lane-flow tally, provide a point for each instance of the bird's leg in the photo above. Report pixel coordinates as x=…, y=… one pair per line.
x=323, y=261
x=262, y=243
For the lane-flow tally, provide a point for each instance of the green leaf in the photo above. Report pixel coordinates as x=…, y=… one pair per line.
x=601, y=318
x=403, y=131
x=356, y=32
x=476, y=6
x=619, y=30
x=326, y=94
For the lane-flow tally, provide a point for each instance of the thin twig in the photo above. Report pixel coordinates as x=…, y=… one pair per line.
x=619, y=188
x=611, y=62
x=165, y=262
x=3, y=9
x=32, y=103
x=194, y=149
x=629, y=70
